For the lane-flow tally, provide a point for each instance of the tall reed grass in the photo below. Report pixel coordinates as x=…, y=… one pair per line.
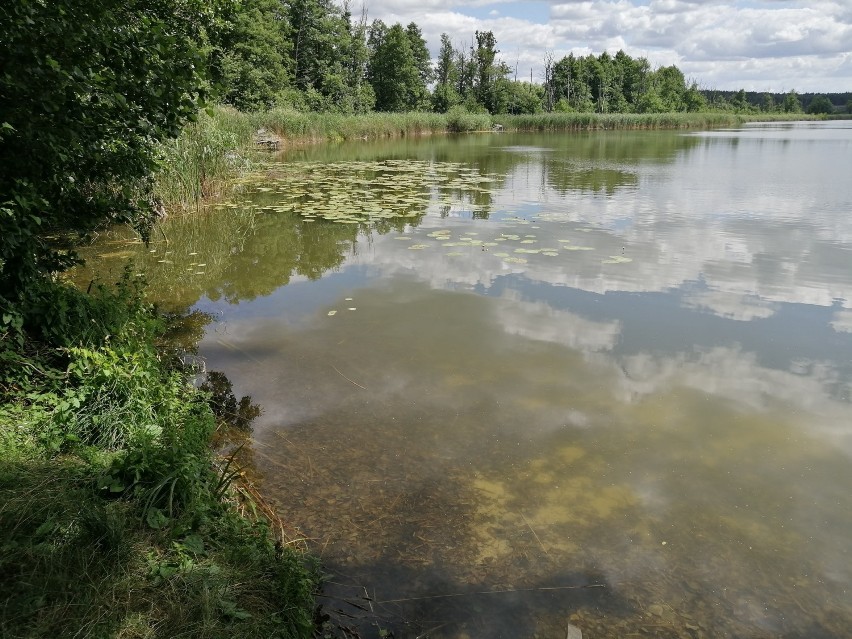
x=622, y=121
x=297, y=127
x=221, y=145
x=614, y=121
x=206, y=156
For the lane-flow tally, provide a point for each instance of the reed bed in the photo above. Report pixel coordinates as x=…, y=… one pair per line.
x=298, y=127
x=207, y=156
x=614, y=121
x=220, y=146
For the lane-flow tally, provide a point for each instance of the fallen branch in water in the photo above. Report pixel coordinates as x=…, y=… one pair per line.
x=347, y=379
x=535, y=534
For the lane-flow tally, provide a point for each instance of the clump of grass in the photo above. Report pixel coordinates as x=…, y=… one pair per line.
x=204, y=159
x=460, y=120
x=114, y=516
x=76, y=564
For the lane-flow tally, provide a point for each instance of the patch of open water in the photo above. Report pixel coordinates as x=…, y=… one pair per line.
x=518, y=384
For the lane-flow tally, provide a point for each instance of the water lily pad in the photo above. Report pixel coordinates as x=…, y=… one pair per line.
x=617, y=259
x=377, y=189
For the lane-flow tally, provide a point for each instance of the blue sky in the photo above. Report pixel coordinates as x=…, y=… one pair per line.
x=760, y=45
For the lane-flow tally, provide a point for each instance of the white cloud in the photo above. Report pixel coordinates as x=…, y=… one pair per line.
x=756, y=45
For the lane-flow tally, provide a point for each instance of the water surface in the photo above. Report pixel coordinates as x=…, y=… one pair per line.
x=516, y=382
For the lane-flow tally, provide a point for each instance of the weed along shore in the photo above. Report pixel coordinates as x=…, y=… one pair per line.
x=117, y=518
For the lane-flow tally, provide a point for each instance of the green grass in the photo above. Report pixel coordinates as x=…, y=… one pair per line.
x=558, y=122
x=116, y=518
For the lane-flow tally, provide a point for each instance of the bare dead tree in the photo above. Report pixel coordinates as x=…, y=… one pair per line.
x=548, y=80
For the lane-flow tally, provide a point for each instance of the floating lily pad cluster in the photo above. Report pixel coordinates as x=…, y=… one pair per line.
x=362, y=192
x=512, y=248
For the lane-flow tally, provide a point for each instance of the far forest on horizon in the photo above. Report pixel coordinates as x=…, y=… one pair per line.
x=318, y=55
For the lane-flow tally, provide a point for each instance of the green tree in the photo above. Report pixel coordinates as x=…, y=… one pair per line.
x=422, y=60
x=618, y=84
x=651, y=102
x=582, y=74
x=445, y=94
x=309, y=41
x=487, y=70
x=324, y=54
x=357, y=95
x=671, y=87
x=250, y=58
x=525, y=97
x=767, y=103
x=607, y=87
x=791, y=103
x=693, y=99
x=393, y=70
x=87, y=90
x=739, y=101
x=560, y=78
x=821, y=105
x=632, y=78
x=466, y=76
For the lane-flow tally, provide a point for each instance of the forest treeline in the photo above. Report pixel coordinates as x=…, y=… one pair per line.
x=318, y=55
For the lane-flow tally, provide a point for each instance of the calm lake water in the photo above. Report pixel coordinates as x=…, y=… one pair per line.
x=518, y=382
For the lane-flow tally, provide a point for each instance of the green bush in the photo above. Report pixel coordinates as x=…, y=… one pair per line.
x=460, y=120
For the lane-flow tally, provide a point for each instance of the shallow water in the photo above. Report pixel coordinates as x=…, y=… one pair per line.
x=599, y=380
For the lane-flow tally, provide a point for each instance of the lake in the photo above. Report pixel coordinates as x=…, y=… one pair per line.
x=514, y=385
